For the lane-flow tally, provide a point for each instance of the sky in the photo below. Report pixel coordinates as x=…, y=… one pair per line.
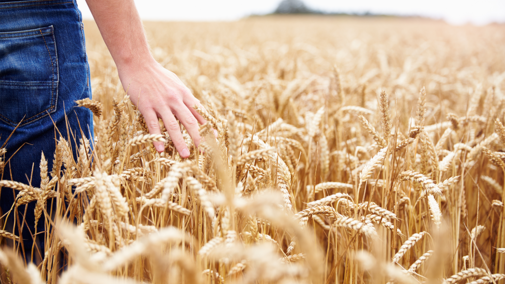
x=457, y=12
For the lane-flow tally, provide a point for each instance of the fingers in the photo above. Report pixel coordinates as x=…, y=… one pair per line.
x=174, y=131
x=154, y=128
x=190, y=101
x=177, y=102
x=191, y=106
x=189, y=121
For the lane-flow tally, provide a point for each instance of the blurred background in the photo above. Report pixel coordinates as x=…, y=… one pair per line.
x=455, y=12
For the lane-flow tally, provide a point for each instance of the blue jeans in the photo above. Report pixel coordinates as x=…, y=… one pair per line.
x=43, y=71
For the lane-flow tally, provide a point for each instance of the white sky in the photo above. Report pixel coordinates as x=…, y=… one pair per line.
x=453, y=11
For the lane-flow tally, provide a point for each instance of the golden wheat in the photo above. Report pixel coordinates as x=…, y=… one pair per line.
x=345, y=151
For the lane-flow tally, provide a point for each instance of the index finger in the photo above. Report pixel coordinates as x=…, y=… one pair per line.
x=191, y=103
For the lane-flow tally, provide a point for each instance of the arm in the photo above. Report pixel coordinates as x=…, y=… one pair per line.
x=155, y=91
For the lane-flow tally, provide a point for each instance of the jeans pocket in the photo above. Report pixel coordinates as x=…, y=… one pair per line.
x=28, y=75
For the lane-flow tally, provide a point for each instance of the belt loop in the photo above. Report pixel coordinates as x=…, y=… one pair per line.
x=77, y=10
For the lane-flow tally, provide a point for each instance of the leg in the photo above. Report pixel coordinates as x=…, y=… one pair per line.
x=43, y=70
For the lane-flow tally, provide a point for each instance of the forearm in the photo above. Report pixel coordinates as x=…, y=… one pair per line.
x=122, y=31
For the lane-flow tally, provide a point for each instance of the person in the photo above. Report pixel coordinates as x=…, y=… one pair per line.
x=44, y=70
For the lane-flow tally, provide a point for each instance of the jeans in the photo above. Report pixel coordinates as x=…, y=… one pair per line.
x=43, y=71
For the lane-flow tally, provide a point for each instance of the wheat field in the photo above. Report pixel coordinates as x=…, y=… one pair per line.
x=348, y=150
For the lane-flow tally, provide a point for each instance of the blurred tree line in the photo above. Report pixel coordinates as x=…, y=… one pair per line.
x=293, y=7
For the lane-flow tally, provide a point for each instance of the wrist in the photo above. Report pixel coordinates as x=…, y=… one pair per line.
x=135, y=72
x=133, y=61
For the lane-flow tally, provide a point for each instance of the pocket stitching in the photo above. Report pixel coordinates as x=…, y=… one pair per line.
x=22, y=36
x=27, y=121
x=54, y=97
x=24, y=84
x=29, y=32
x=48, y=52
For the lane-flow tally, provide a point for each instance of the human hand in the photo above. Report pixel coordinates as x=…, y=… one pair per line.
x=159, y=93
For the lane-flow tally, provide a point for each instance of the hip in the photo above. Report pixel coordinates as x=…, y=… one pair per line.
x=43, y=63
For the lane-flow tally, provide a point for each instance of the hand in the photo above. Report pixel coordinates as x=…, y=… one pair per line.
x=159, y=93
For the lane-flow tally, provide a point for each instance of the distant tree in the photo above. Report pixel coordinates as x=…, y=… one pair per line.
x=292, y=7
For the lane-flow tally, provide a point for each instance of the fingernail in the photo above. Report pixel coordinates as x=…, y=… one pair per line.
x=215, y=133
x=159, y=148
x=185, y=153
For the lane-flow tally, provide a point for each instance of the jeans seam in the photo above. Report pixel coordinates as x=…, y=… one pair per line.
x=74, y=2
x=83, y=43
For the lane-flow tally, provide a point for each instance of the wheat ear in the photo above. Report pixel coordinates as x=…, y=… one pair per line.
x=495, y=159
x=369, y=127
x=500, y=130
x=239, y=267
x=464, y=274
x=436, y=214
x=329, y=199
x=5, y=234
x=355, y=225
x=376, y=209
x=384, y=110
x=20, y=274
x=407, y=245
x=94, y=106
x=486, y=279
x=493, y=183
x=209, y=246
x=424, y=181
x=357, y=110
x=371, y=165
x=413, y=268
x=142, y=139
x=329, y=185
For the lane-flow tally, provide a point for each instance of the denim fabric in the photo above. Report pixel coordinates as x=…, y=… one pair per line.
x=43, y=70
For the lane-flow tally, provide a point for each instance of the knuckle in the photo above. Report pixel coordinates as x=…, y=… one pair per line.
x=153, y=124
x=173, y=100
x=172, y=125
x=170, y=97
x=191, y=122
x=178, y=142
